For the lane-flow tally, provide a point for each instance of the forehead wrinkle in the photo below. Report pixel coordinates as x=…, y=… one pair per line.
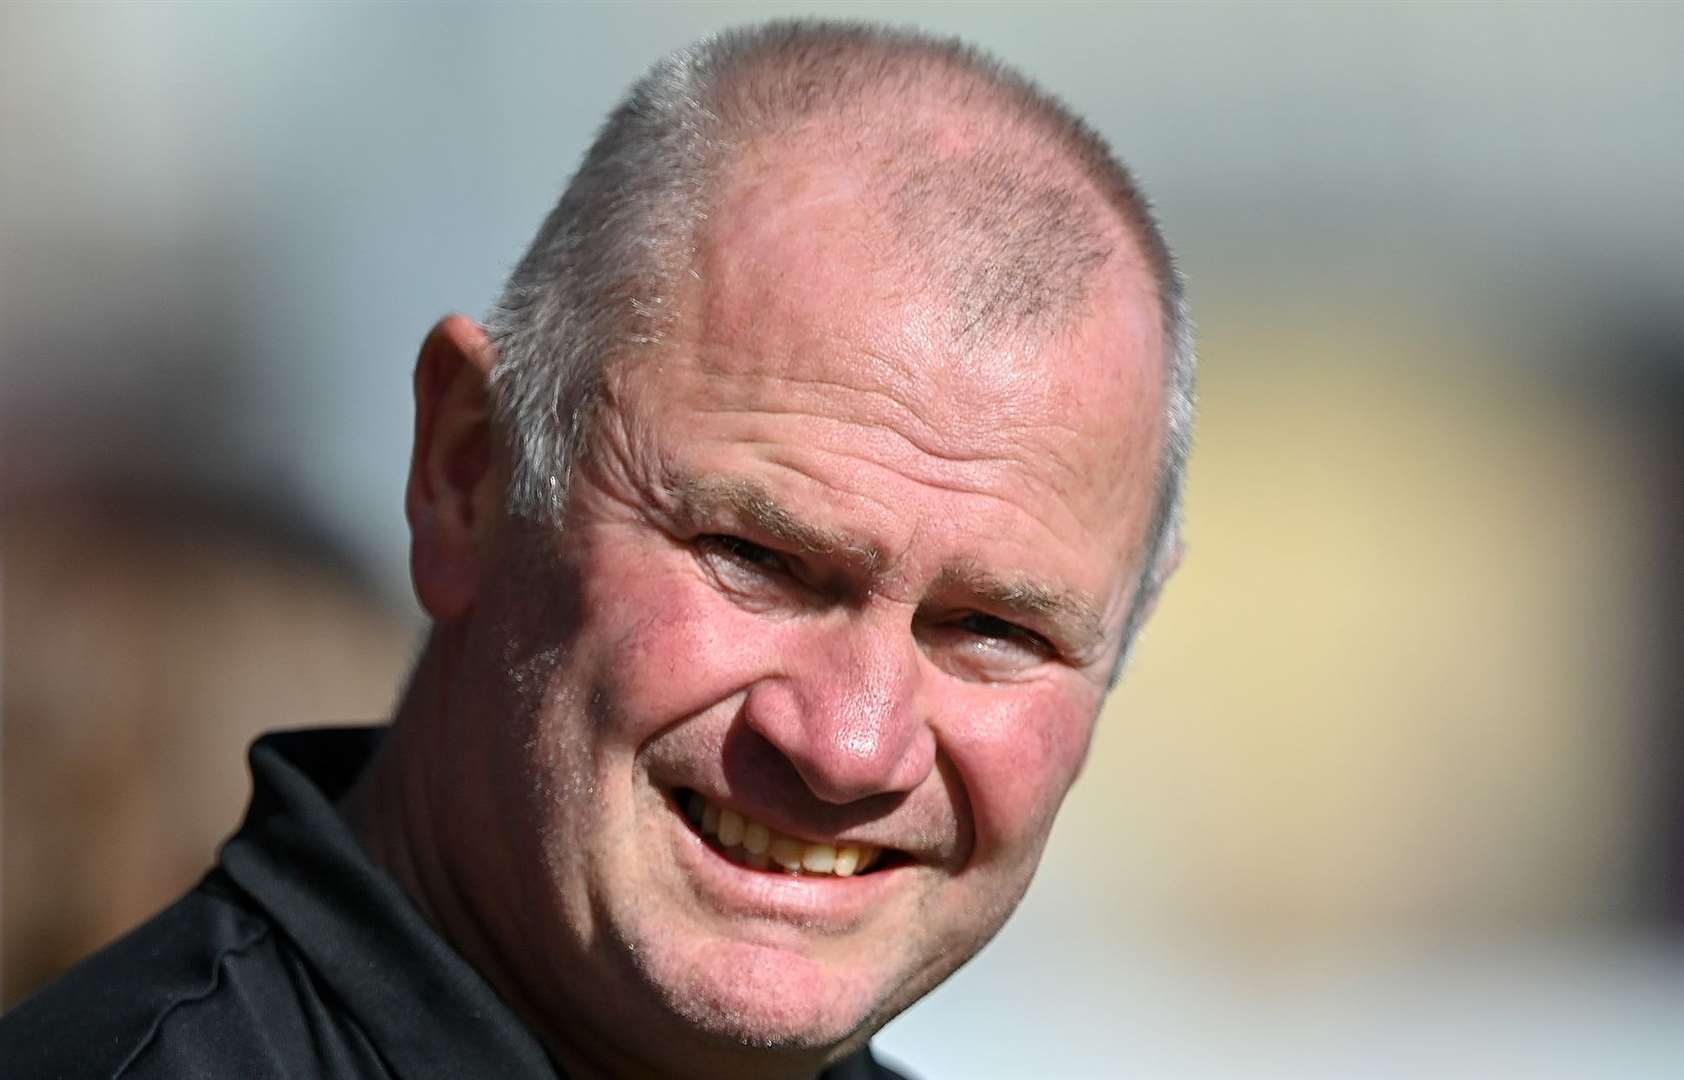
x=700, y=498
x=917, y=432
x=934, y=453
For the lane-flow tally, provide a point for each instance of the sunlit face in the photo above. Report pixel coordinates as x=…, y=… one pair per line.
x=830, y=586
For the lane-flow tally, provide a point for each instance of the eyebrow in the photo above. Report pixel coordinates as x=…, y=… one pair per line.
x=1072, y=619
x=702, y=499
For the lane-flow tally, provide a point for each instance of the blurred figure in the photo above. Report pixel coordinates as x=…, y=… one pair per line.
x=149, y=637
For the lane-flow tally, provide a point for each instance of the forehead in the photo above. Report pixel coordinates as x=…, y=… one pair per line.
x=805, y=305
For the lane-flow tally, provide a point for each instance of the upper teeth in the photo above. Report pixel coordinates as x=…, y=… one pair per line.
x=759, y=846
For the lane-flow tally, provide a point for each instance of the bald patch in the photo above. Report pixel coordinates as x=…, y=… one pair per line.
x=1013, y=245
x=1007, y=241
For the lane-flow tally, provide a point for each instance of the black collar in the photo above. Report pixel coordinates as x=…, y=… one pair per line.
x=425, y=1009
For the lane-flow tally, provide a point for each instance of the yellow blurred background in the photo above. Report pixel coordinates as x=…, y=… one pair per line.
x=1395, y=785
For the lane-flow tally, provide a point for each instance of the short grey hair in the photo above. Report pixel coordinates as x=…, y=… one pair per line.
x=599, y=280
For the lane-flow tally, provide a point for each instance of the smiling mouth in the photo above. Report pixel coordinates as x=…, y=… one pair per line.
x=757, y=846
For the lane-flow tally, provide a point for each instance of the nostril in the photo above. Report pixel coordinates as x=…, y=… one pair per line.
x=851, y=729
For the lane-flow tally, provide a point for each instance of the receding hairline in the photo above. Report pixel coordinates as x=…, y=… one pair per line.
x=997, y=219
x=873, y=86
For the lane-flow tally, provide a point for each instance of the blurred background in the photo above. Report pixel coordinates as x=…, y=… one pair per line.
x=1395, y=786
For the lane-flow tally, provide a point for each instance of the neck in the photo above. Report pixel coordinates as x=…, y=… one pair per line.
x=389, y=806
x=393, y=808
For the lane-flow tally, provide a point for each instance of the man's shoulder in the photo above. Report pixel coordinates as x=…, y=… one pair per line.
x=206, y=987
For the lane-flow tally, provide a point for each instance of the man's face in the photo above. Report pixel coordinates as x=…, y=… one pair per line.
x=829, y=573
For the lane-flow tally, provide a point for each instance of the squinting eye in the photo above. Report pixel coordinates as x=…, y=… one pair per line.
x=997, y=629
x=744, y=552
x=981, y=647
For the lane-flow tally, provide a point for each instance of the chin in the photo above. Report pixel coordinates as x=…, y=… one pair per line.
x=765, y=998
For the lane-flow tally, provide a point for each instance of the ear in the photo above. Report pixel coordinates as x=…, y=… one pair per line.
x=455, y=493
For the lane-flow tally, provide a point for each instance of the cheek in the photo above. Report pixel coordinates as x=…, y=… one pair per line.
x=664, y=645
x=1016, y=761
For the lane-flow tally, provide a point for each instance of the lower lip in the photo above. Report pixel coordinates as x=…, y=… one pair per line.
x=818, y=900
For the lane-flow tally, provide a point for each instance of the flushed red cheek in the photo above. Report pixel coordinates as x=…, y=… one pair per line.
x=672, y=650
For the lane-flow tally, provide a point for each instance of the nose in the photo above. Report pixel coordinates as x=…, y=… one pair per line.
x=845, y=711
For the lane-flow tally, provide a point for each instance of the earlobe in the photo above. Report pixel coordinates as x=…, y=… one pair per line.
x=454, y=498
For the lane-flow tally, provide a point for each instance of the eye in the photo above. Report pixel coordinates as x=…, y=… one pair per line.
x=979, y=646
x=743, y=565
x=745, y=553
x=998, y=632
